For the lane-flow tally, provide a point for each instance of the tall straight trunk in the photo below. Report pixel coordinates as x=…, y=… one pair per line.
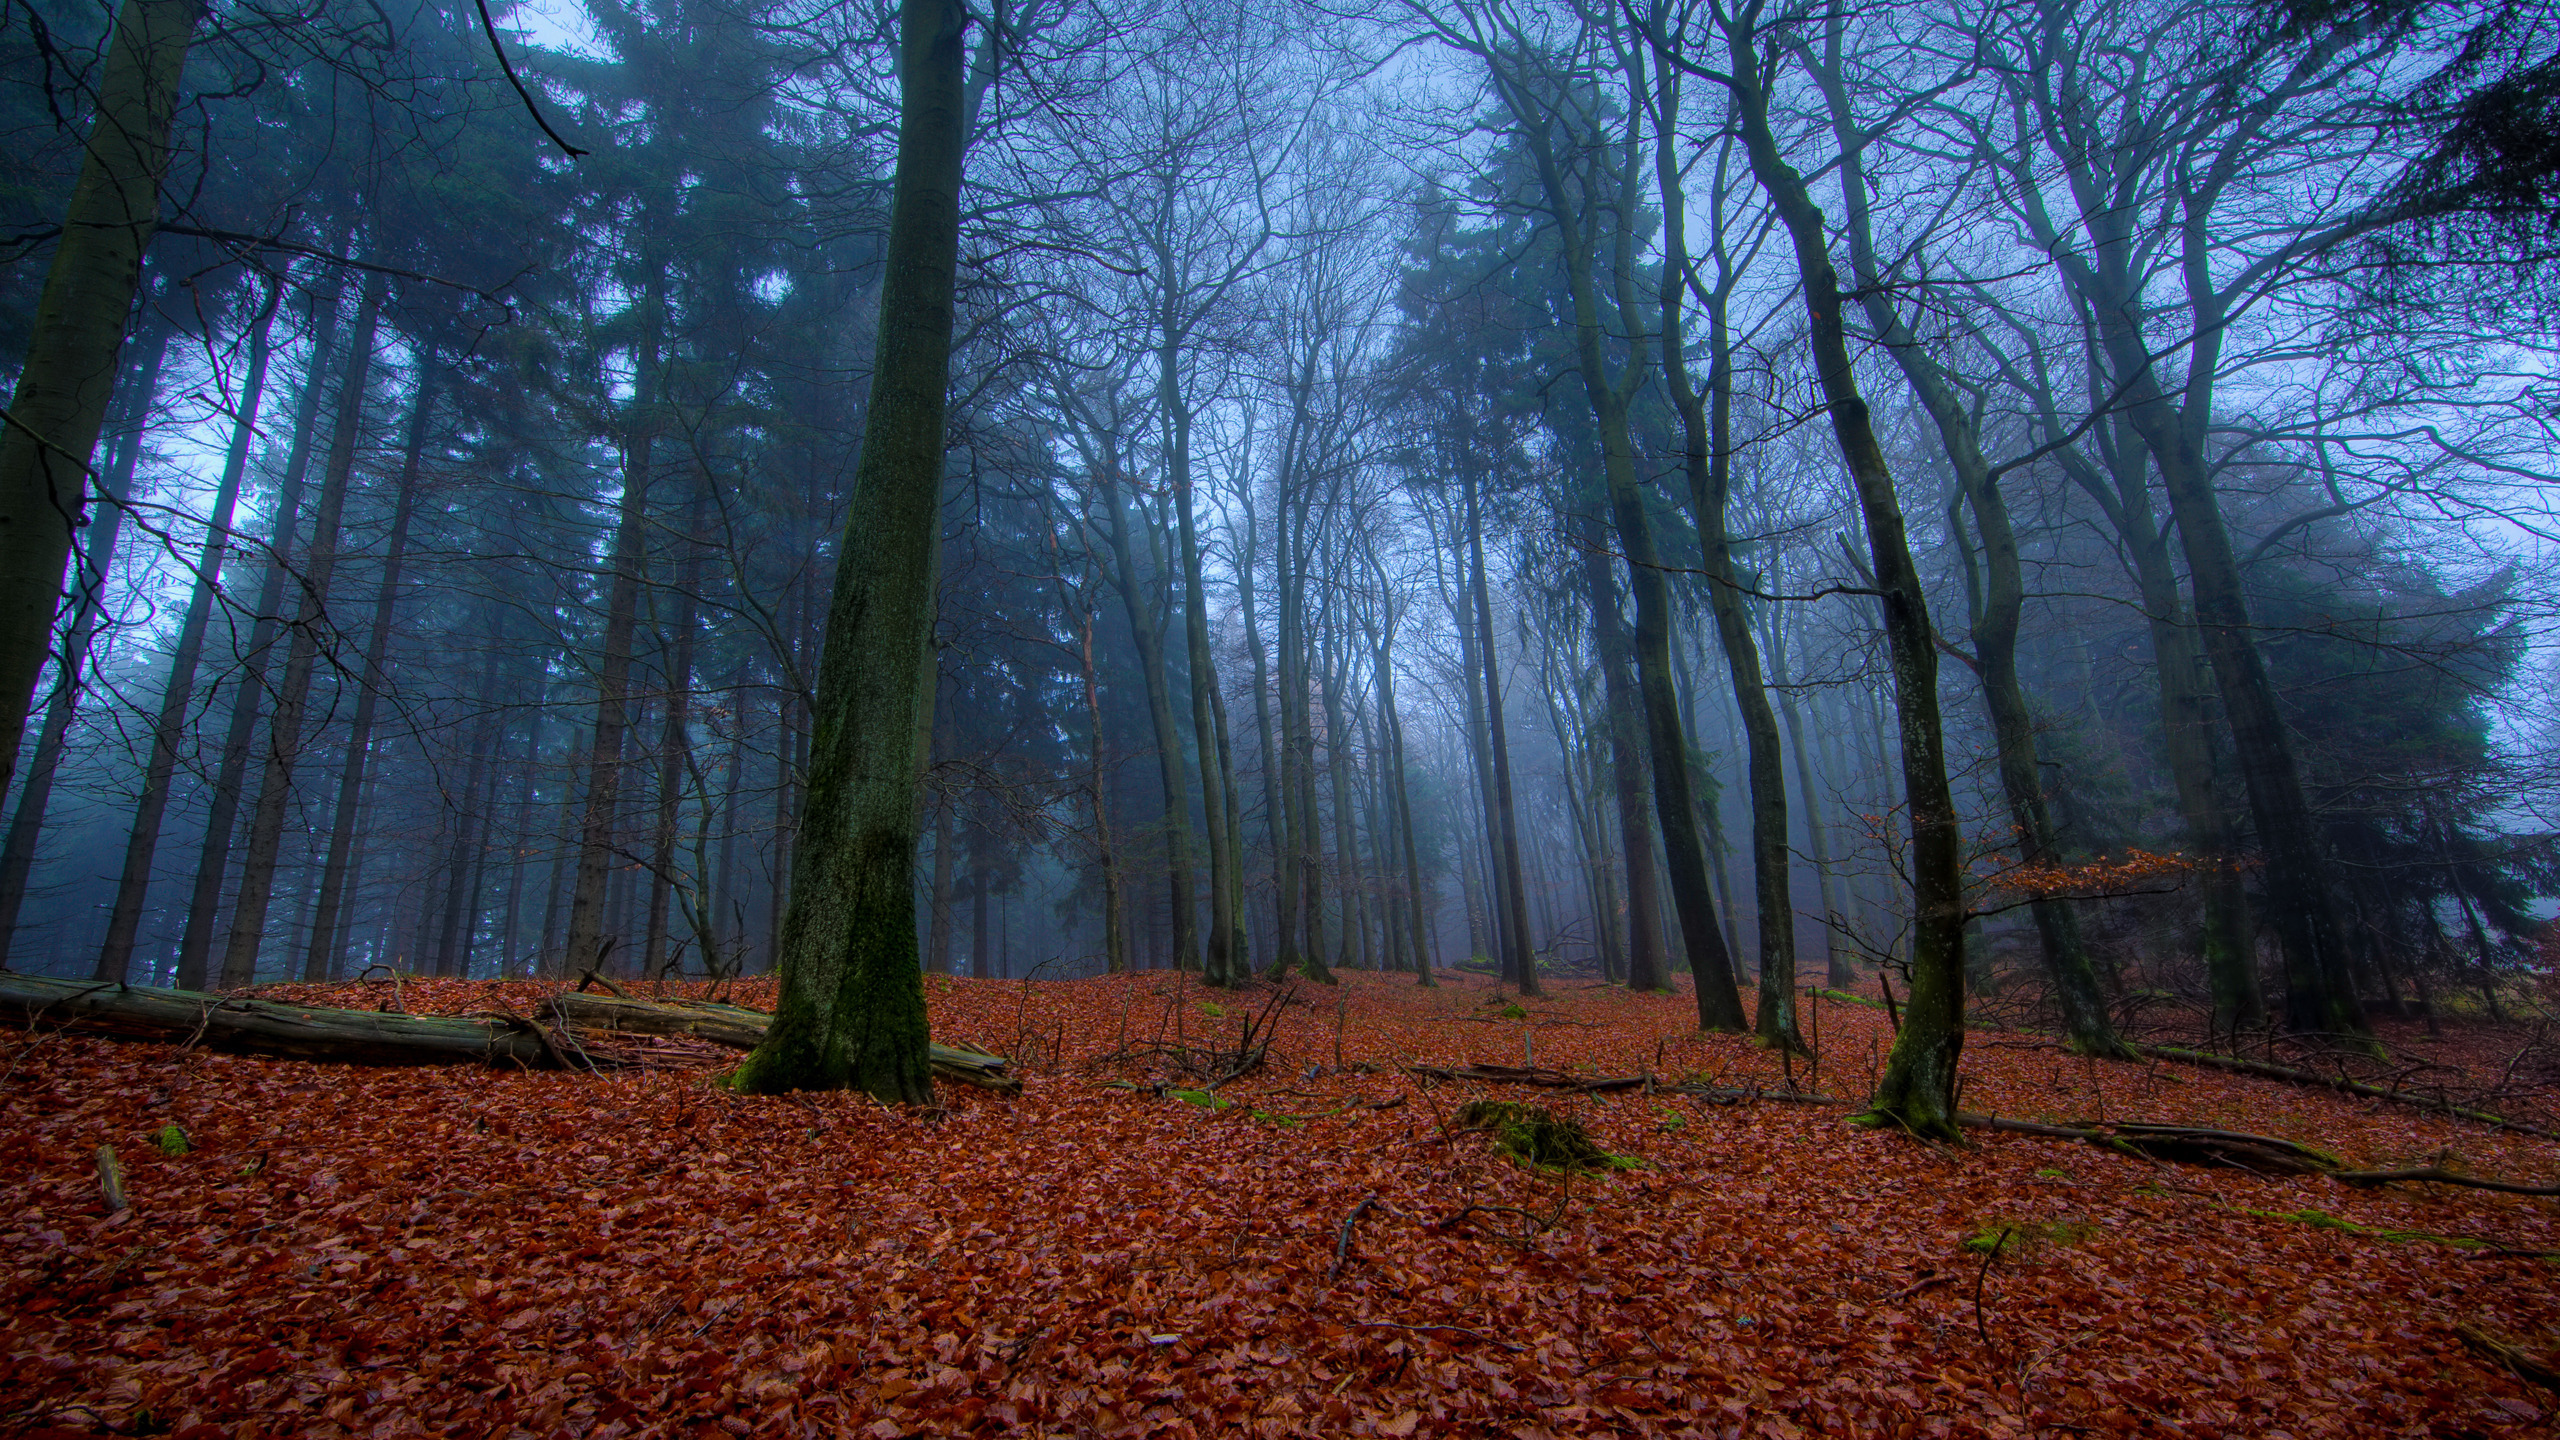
x=589, y=933
x=1999, y=605
x=937, y=949
x=1115, y=941
x=851, y=1012
x=674, y=747
x=293, y=693
x=519, y=846
x=168, y=731
x=1836, y=971
x=222, y=810
x=1303, y=875
x=728, y=925
x=35, y=797
x=1519, y=959
x=1170, y=769
x=1917, y=1091
x=1490, y=908
x=1221, y=964
x=1337, y=754
x=69, y=374
x=1627, y=761
x=1275, y=824
x=1675, y=796
x=322, y=963
x=982, y=960
x=468, y=826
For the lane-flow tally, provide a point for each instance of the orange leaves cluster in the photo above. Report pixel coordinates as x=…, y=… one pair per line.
x=2134, y=870
x=457, y=1251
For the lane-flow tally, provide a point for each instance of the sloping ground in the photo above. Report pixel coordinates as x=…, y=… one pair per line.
x=457, y=1251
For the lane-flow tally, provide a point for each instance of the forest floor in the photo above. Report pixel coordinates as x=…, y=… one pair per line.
x=456, y=1251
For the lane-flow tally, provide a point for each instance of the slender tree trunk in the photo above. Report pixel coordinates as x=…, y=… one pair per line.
x=1917, y=1091
x=1627, y=760
x=284, y=732
x=1836, y=970
x=322, y=963
x=589, y=931
x=674, y=746
x=851, y=1012
x=52, y=422
x=1674, y=791
x=168, y=732
x=35, y=797
x=457, y=865
x=1519, y=958
x=1169, y=761
x=195, y=945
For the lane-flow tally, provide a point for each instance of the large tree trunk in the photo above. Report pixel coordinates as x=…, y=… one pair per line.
x=168, y=731
x=1917, y=1091
x=852, y=1000
x=248, y=689
x=284, y=732
x=322, y=962
x=69, y=374
x=35, y=797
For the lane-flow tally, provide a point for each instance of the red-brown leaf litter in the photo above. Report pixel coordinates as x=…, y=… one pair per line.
x=457, y=1251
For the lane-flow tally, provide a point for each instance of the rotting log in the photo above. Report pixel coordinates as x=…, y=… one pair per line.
x=1604, y=1084
x=251, y=1026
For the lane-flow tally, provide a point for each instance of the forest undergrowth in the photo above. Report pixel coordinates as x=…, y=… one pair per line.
x=1313, y=1248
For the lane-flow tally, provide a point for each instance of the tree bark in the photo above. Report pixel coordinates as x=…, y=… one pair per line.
x=51, y=427
x=851, y=1013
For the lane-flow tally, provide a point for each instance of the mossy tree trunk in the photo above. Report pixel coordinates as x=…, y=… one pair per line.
x=851, y=1011
x=1917, y=1091
x=1997, y=603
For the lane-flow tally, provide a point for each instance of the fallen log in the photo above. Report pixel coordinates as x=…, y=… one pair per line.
x=2268, y=1070
x=247, y=1025
x=2187, y=1143
x=266, y=1027
x=1604, y=1084
x=740, y=1028
x=2199, y=1145
x=1530, y=1075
